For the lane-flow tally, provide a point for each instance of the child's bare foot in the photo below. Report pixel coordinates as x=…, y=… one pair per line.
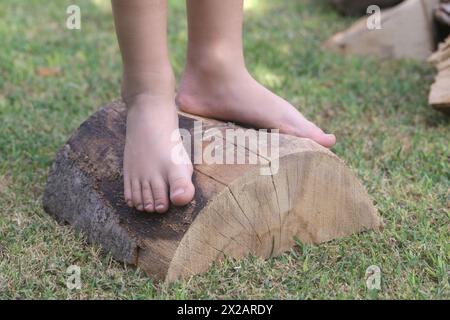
x=148, y=87
x=150, y=174
x=224, y=90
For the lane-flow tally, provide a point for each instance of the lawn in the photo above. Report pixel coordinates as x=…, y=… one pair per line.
x=52, y=78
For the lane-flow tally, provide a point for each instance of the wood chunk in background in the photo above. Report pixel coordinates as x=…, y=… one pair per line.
x=439, y=97
x=236, y=211
x=407, y=32
x=359, y=7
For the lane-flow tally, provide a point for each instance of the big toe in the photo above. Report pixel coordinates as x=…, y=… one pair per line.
x=307, y=129
x=326, y=140
x=181, y=190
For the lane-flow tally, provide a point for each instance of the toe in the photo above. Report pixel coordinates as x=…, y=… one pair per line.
x=127, y=191
x=147, y=197
x=137, y=194
x=326, y=140
x=322, y=138
x=181, y=190
x=159, y=192
x=307, y=129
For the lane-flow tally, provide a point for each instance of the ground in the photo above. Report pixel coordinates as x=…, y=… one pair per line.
x=52, y=78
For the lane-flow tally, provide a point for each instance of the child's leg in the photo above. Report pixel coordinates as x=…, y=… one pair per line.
x=148, y=90
x=216, y=82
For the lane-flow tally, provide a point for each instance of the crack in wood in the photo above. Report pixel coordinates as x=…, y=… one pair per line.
x=242, y=210
x=279, y=210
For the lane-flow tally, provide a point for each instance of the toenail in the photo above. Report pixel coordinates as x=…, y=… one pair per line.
x=140, y=207
x=160, y=207
x=177, y=192
x=129, y=203
x=148, y=206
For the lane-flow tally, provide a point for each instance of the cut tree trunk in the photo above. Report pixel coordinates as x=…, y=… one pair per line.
x=236, y=211
x=359, y=7
x=406, y=32
x=439, y=97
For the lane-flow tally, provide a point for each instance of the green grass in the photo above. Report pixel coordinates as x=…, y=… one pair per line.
x=391, y=138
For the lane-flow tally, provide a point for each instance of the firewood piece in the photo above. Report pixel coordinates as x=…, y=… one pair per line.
x=442, y=54
x=236, y=211
x=406, y=32
x=439, y=97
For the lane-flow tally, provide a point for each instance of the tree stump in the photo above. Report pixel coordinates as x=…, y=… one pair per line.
x=406, y=32
x=236, y=211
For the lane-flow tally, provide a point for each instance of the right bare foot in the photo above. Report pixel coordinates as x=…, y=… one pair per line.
x=150, y=174
x=222, y=88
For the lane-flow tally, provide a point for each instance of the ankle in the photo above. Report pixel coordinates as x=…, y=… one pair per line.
x=215, y=61
x=146, y=84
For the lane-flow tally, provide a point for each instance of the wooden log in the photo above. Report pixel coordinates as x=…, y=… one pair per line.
x=406, y=32
x=359, y=7
x=236, y=211
x=439, y=97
